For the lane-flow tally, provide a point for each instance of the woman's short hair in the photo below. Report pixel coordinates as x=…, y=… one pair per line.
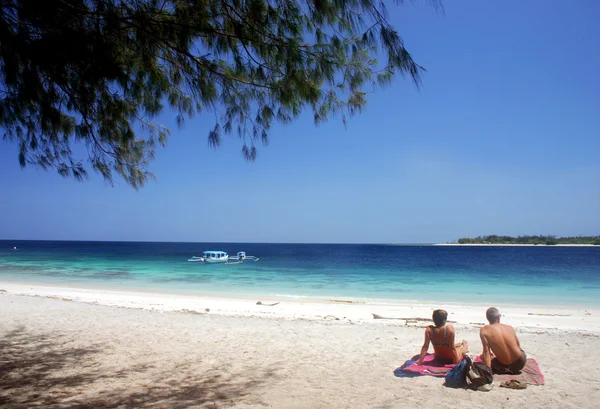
x=439, y=317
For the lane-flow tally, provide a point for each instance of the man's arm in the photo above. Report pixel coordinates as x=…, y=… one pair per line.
x=485, y=356
x=425, y=346
x=451, y=336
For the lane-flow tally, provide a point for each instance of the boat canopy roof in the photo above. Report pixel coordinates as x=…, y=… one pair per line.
x=215, y=251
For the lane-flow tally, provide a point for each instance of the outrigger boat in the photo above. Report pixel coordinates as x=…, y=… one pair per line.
x=212, y=256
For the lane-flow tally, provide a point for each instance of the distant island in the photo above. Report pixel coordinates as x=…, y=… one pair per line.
x=531, y=240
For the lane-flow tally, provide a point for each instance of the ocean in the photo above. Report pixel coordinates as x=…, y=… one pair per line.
x=558, y=276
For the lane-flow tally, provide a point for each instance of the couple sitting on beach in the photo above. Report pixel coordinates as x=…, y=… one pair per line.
x=501, y=348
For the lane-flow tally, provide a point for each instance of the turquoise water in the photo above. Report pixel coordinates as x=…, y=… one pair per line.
x=567, y=276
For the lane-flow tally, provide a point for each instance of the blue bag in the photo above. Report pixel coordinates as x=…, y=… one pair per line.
x=457, y=376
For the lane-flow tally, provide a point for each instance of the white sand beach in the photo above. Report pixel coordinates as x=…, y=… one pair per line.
x=67, y=348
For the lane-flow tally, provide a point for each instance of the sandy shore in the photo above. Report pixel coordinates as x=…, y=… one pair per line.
x=168, y=352
x=312, y=309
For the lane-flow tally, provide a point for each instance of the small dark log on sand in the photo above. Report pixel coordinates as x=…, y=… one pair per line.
x=206, y=310
x=411, y=319
x=549, y=315
x=379, y=317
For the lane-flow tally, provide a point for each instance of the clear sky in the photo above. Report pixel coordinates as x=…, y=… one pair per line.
x=503, y=138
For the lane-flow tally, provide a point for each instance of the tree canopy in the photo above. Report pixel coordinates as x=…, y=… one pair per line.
x=96, y=73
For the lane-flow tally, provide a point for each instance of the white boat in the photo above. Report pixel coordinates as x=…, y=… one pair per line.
x=211, y=256
x=222, y=257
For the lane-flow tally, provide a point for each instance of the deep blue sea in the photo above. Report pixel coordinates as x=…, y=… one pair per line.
x=567, y=276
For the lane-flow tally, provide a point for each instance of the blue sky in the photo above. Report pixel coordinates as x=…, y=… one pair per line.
x=503, y=138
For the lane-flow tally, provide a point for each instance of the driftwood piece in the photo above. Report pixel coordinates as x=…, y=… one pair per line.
x=56, y=297
x=196, y=312
x=409, y=319
x=549, y=315
x=379, y=317
x=268, y=305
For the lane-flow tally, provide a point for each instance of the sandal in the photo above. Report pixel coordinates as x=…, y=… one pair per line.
x=513, y=384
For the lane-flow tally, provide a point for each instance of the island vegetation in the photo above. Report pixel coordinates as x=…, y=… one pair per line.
x=546, y=240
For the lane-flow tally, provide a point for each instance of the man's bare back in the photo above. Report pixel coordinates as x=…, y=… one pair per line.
x=502, y=340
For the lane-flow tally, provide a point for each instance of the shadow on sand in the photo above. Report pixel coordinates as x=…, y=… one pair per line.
x=40, y=371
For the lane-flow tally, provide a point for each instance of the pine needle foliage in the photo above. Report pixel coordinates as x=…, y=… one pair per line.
x=98, y=72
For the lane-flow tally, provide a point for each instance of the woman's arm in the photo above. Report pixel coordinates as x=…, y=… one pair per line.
x=425, y=346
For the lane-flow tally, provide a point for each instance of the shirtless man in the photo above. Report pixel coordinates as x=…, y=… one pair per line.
x=504, y=344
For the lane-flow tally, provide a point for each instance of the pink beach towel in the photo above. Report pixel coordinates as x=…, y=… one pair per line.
x=430, y=367
x=530, y=374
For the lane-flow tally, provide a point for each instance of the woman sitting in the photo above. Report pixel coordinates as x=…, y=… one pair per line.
x=441, y=337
